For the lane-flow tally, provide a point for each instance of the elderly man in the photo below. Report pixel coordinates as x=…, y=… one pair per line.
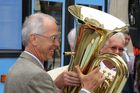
x=116, y=45
x=40, y=38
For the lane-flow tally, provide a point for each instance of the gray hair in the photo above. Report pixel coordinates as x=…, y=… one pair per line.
x=72, y=37
x=118, y=35
x=34, y=24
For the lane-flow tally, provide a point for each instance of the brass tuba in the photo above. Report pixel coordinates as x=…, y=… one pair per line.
x=96, y=27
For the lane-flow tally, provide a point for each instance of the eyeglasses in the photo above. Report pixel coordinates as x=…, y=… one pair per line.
x=114, y=48
x=53, y=38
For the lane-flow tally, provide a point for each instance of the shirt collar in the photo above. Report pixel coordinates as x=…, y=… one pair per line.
x=35, y=58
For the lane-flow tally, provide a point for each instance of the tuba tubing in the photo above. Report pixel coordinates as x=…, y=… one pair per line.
x=121, y=76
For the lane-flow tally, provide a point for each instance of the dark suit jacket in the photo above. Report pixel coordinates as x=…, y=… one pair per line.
x=27, y=76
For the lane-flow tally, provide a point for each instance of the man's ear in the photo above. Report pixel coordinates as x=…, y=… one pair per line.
x=33, y=39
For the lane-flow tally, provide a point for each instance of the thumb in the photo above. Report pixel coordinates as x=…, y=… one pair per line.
x=80, y=74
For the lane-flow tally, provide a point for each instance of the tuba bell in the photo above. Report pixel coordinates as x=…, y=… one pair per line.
x=95, y=28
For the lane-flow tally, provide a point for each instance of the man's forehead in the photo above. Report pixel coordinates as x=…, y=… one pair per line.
x=52, y=33
x=116, y=42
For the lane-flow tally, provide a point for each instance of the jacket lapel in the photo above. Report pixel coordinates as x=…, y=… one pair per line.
x=30, y=58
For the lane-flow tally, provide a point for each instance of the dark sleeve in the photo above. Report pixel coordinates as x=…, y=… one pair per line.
x=41, y=83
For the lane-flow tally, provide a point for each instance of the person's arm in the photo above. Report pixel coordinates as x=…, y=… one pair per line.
x=90, y=81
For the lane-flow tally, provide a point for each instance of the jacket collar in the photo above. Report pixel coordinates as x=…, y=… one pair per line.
x=32, y=58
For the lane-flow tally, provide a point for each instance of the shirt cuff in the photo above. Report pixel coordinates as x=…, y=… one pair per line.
x=85, y=90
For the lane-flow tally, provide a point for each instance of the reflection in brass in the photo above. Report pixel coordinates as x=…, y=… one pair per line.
x=90, y=39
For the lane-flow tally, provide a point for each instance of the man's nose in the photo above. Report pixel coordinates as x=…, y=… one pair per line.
x=57, y=43
x=117, y=52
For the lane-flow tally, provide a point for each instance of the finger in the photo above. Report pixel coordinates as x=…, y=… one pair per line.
x=78, y=71
x=73, y=74
x=71, y=82
x=102, y=79
x=96, y=70
x=72, y=79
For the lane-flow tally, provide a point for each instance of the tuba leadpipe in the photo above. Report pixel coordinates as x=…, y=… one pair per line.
x=96, y=28
x=69, y=53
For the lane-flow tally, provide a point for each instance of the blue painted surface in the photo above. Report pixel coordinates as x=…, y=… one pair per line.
x=92, y=2
x=5, y=64
x=55, y=0
x=10, y=24
x=10, y=32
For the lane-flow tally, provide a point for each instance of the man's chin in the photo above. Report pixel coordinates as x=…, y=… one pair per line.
x=49, y=58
